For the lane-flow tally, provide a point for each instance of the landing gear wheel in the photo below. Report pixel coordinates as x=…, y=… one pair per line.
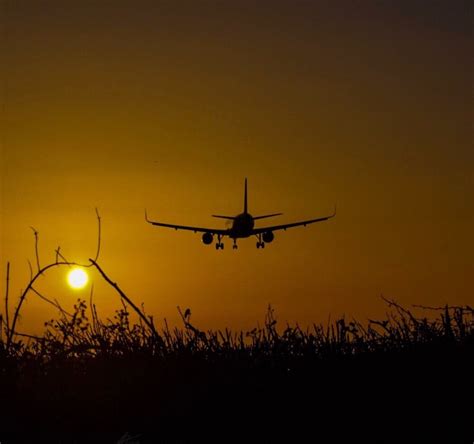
x=263, y=244
x=217, y=246
x=222, y=246
x=234, y=247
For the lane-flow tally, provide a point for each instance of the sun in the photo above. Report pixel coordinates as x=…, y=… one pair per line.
x=77, y=278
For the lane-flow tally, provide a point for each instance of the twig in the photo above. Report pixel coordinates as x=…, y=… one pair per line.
x=58, y=254
x=400, y=309
x=54, y=303
x=453, y=307
x=99, y=235
x=26, y=335
x=36, y=248
x=124, y=296
x=40, y=271
x=31, y=269
x=7, y=289
x=23, y=296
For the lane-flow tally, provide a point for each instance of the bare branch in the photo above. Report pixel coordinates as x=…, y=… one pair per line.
x=33, y=277
x=36, y=247
x=124, y=296
x=54, y=303
x=454, y=307
x=26, y=335
x=31, y=269
x=7, y=290
x=23, y=296
x=99, y=235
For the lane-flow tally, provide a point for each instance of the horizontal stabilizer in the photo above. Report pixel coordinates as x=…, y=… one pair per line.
x=224, y=217
x=267, y=215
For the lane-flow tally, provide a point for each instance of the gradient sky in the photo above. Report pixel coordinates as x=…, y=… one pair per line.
x=126, y=105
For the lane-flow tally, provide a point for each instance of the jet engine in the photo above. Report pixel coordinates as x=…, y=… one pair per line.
x=268, y=236
x=207, y=238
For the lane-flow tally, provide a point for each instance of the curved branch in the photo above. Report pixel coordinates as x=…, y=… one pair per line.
x=23, y=296
x=11, y=331
x=99, y=235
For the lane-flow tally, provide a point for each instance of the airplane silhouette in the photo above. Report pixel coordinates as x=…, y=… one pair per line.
x=243, y=225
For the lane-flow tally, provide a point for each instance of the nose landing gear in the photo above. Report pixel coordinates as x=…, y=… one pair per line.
x=234, y=247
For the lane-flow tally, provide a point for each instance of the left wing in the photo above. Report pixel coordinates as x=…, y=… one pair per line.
x=294, y=224
x=185, y=227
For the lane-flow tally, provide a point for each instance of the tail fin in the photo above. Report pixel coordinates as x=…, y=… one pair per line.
x=245, y=197
x=267, y=215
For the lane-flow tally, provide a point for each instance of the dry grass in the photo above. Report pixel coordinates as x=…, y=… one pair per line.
x=87, y=379
x=119, y=378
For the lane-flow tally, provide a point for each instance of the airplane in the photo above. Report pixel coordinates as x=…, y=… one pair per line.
x=243, y=226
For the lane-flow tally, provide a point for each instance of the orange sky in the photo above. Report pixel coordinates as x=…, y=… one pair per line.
x=130, y=105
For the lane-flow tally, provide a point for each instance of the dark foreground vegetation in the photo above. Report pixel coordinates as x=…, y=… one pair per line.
x=86, y=380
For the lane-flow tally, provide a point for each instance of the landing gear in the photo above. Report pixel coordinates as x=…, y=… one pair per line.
x=219, y=244
x=234, y=247
x=260, y=243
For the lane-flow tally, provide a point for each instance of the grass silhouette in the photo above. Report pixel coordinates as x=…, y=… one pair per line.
x=87, y=379
x=90, y=380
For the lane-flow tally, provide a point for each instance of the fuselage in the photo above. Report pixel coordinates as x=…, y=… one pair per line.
x=242, y=226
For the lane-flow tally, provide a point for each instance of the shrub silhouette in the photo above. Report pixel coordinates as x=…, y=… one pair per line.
x=87, y=379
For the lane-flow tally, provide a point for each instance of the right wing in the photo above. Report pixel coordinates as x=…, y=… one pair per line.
x=185, y=227
x=291, y=225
